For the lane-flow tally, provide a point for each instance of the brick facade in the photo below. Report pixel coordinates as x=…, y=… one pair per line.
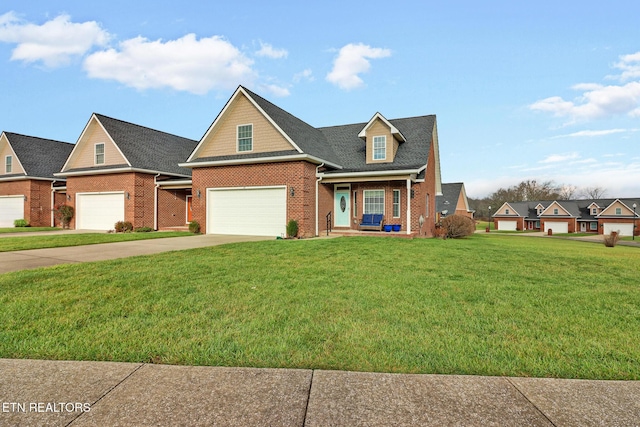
x=172, y=207
x=37, y=207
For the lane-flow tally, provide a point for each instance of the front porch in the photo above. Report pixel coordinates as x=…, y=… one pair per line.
x=353, y=233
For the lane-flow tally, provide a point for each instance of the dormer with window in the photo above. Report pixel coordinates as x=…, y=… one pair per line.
x=382, y=140
x=539, y=209
x=594, y=209
x=8, y=164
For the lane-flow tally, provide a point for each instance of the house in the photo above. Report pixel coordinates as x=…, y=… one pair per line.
x=453, y=201
x=28, y=188
x=119, y=171
x=258, y=166
x=571, y=216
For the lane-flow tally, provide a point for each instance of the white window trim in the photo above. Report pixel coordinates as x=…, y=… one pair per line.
x=394, y=203
x=556, y=211
x=384, y=199
x=384, y=148
x=355, y=203
x=238, y=138
x=618, y=211
x=10, y=164
x=95, y=153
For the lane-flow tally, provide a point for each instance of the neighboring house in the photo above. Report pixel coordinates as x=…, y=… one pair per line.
x=258, y=166
x=120, y=171
x=453, y=201
x=28, y=188
x=572, y=216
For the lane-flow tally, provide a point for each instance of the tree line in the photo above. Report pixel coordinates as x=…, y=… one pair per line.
x=532, y=190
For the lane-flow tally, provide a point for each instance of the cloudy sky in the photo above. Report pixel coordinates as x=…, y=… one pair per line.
x=541, y=90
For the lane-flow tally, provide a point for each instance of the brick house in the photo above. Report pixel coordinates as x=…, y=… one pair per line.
x=453, y=201
x=600, y=216
x=28, y=188
x=119, y=171
x=258, y=167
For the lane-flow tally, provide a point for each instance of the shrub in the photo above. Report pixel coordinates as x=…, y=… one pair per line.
x=123, y=227
x=611, y=239
x=64, y=214
x=292, y=228
x=143, y=230
x=457, y=226
x=194, y=227
x=20, y=223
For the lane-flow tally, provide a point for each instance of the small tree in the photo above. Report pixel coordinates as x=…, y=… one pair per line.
x=64, y=214
x=456, y=226
x=292, y=228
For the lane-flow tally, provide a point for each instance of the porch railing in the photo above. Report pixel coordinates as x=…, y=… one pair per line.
x=329, y=221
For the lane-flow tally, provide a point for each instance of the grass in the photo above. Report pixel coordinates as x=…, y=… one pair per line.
x=58, y=241
x=26, y=229
x=486, y=305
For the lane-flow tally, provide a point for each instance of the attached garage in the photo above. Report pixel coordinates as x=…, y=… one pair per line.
x=508, y=225
x=99, y=211
x=622, y=228
x=556, y=226
x=252, y=211
x=11, y=208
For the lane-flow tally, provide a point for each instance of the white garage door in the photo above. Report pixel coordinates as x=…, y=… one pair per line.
x=255, y=211
x=99, y=211
x=557, y=227
x=623, y=229
x=11, y=208
x=507, y=225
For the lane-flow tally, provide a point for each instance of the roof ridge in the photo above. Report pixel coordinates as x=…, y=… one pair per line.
x=37, y=137
x=140, y=126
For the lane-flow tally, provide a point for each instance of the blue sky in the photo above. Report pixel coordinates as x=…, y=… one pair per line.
x=522, y=90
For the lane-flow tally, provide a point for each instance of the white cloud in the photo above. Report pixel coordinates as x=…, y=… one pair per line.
x=303, y=75
x=555, y=158
x=185, y=64
x=54, y=43
x=592, y=133
x=352, y=60
x=269, y=51
x=630, y=66
x=276, y=90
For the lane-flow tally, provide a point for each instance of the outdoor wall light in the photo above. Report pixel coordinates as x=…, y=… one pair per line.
x=25, y=198
x=127, y=195
x=198, y=194
x=69, y=197
x=292, y=192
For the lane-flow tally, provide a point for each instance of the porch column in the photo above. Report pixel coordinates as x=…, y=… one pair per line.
x=408, y=206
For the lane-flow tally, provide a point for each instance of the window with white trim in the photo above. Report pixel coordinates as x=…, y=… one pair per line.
x=506, y=211
x=555, y=211
x=396, y=203
x=379, y=147
x=593, y=226
x=374, y=201
x=245, y=138
x=355, y=204
x=618, y=211
x=99, y=154
x=594, y=211
x=8, y=164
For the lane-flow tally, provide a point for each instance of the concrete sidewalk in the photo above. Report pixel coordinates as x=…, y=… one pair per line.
x=35, y=258
x=75, y=394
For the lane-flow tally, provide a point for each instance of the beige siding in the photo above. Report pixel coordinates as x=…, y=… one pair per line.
x=222, y=140
x=503, y=210
x=84, y=154
x=378, y=128
x=611, y=209
x=555, y=205
x=6, y=150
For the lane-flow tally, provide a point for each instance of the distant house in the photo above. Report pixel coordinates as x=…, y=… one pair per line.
x=28, y=188
x=453, y=201
x=571, y=216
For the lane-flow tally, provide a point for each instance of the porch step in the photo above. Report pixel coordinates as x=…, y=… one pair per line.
x=177, y=228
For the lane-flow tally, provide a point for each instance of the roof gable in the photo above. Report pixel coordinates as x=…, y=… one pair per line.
x=549, y=211
x=7, y=150
x=379, y=117
x=611, y=209
x=506, y=210
x=37, y=157
x=453, y=198
x=83, y=154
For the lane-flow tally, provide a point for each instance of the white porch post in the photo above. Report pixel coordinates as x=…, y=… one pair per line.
x=408, y=206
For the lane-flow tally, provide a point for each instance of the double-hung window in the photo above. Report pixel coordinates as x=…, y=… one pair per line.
x=396, y=203
x=379, y=147
x=245, y=138
x=99, y=154
x=8, y=164
x=374, y=201
x=618, y=211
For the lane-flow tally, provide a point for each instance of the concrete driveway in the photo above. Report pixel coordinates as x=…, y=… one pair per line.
x=35, y=258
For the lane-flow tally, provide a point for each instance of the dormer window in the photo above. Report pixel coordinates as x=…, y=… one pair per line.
x=379, y=147
x=99, y=154
x=506, y=211
x=555, y=211
x=594, y=211
x=539, y=211
x=8, y=164
x=245, y=138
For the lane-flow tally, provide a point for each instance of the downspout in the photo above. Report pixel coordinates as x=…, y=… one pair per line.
x=155, y=202
x=53, y=201
x=319, y=178
x=408, y=205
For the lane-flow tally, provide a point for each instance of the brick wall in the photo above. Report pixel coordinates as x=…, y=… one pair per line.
x=37, y=208
x=172, y=208
x=299, y=175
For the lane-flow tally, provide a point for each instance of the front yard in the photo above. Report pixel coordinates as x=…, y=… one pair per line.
x=486, y=305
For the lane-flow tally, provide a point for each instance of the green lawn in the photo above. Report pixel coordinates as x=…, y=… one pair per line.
x=57, y=241
x=26, y=229
x=486, y=305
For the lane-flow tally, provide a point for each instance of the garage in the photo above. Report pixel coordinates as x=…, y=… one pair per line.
x=253, y=211
x=99, y=211
x=11, y=208
x=621, y=228
x=556, y=226
x=508, y=225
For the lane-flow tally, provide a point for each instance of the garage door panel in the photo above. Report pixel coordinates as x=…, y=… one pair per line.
x=99, y=211
x=507, y=225
x=11, y=208
x=622, y=228
x=557, y=227
x=249, y=211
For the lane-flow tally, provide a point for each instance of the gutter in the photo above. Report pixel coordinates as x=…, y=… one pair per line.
x=116, y=170
x=155, y=202
x=318, y=179
x=52, y=203
x=246, y=161
x=373, y=173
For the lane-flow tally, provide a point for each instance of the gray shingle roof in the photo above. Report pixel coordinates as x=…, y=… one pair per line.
x=147, y=148
x=39, y=157
x=450, y=194
x=577, y=208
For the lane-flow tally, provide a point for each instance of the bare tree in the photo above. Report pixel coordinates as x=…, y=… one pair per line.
x=567, y=192
x=593, y=192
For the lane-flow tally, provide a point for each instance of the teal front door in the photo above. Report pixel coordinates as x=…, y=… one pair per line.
x=342, y=209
